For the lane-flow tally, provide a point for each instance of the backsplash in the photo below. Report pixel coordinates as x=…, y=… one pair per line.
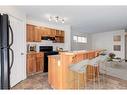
x=48, y=43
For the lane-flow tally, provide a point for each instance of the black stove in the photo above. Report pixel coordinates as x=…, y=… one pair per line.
x=48, y=50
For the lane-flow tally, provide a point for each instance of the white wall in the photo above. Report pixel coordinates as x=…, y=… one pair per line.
x=105, y=41
x=13, y=12
x=80, y=46
x=67, y=41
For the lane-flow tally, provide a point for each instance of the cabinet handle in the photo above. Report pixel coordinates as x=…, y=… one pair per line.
x=22, y=53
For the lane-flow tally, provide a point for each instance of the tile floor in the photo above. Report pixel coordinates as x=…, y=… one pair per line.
x=40, y=81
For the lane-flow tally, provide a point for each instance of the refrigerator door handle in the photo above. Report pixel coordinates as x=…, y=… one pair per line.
x=12, y=52
x=12, y=38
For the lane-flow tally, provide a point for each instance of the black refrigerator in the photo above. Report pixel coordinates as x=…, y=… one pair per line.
x=6, y=53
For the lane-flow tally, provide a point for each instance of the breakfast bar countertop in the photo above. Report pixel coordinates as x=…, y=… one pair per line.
x=57, y=57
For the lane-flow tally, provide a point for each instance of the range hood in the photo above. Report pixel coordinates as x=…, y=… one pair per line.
x=47, y=38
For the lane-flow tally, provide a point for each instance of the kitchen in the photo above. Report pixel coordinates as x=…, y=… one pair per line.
x=49, y=48
x=42, y=62
x=46, y=36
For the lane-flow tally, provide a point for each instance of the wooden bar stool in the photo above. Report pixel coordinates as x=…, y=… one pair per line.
x=79, y=71
x=93, y=72
x=103, y=67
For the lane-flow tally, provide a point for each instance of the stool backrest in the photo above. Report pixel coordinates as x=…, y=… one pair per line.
x=80, y=66
x=95, y=61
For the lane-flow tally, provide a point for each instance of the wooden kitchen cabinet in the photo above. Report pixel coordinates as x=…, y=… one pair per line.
x=30, y=32
x=33, y=33
x=62, y=33
x=31, y=64
x=59, y=37
x=42, y=29
x=35, y=63
x=45, y=31
x=48, y=31
x=37, y=34
x=53, y=33
x=58, y=33
x=39, y=62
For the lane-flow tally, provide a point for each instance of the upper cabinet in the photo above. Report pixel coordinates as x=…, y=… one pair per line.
x=30, y=33
x=53, y=33
x=59, y=33
x=35, y=33
x=45, y=31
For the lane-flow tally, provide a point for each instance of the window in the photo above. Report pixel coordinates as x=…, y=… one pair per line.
x=79, y=39
x=84, y=40
x=75, y=38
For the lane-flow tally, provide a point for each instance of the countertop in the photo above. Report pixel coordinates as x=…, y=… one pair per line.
x=76, y=52
x=79, y=52
x=57, y=57
x=33, y=52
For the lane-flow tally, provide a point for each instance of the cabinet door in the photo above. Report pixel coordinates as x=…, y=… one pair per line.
x=42, y=30
x=31, y=64
x=57, y=32
x=30, y=33
x=39, y=62
x=45, y=31
x=37, y=35
x=62, y=33
x=53, y=33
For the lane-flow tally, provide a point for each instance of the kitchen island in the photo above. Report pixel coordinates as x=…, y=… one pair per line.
x=59, y=74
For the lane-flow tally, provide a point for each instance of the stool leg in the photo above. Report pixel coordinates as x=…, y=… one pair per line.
x=85, y=80
x=78, y=81
x=94, y=76
x=98, y=75
x=105, y=74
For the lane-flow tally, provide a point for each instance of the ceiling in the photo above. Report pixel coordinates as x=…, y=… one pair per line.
x=82, y=18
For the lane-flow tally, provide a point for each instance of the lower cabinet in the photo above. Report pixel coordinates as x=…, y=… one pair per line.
x=35, y=63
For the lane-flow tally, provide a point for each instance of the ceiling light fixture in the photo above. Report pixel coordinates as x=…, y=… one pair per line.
x=56, y=19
